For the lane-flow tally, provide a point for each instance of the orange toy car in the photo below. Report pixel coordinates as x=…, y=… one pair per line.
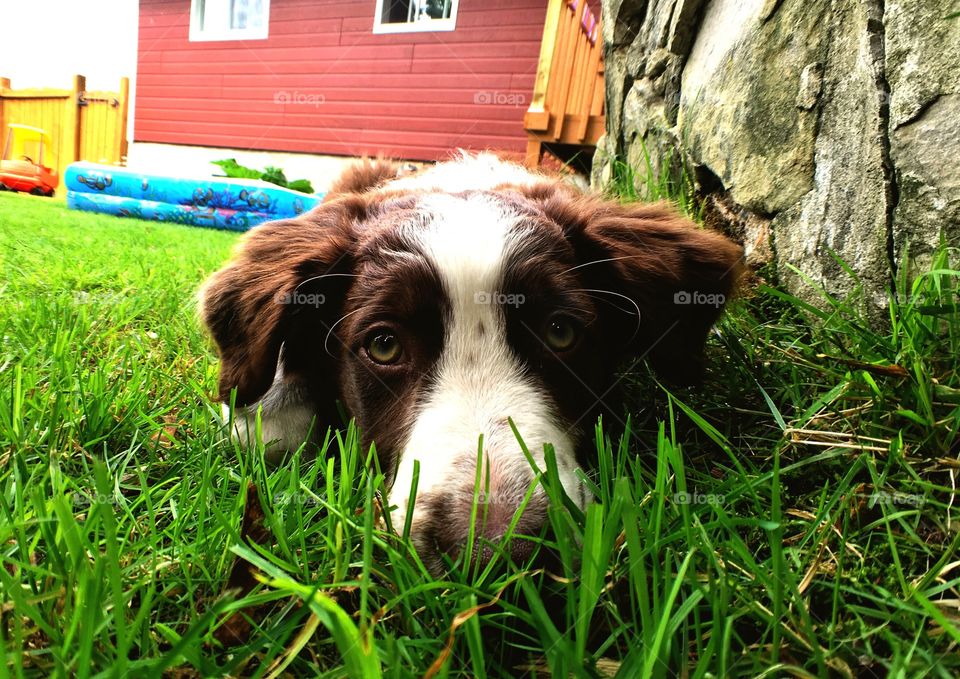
x=22, y=164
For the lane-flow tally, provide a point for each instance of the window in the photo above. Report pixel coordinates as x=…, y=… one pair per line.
x=229, y=19
x=408, y=16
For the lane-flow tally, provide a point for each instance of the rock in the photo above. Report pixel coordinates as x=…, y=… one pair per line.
x=924, y=75
x=601, y=173
x=831, y=127
x=683, y=25
x=657, y=63
x=811, y=84
x=845, y=212
x=925, y=154
x=738, y=100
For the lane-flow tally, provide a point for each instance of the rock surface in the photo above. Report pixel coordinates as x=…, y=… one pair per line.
x=813, y=127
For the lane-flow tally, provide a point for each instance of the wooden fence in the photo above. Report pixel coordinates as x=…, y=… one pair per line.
x=83, y=125
x=568, y=96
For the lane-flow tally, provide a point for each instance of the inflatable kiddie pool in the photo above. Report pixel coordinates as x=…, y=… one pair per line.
x=217, y=202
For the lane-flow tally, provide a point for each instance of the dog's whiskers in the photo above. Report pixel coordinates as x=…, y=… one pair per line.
x=597, y=261
x=330, y=331
x=622, y=296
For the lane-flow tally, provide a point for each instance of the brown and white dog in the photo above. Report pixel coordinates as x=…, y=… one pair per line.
x=437, y=308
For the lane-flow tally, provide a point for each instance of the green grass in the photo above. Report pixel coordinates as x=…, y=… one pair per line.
x=794, y=516
x=662, y=176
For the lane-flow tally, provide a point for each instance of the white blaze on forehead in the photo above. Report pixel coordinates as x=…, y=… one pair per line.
x=479, y=381
x=466, y=172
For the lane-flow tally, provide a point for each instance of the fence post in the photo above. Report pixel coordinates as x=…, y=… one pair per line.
x=74, y=126
x=4, y=85
x=72, y=132
x=121, y=144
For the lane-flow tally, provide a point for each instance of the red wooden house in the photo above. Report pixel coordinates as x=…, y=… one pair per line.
x=407, y=78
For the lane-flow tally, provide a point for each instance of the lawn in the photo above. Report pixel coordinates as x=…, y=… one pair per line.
x=794, y=516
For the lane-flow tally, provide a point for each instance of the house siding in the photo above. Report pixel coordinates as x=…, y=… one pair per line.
x=324, y=83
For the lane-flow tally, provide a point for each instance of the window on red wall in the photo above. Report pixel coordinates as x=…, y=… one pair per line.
x=408, y=16
x=229, y=19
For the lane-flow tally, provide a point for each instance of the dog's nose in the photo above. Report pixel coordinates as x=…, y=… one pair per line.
x=495, y=513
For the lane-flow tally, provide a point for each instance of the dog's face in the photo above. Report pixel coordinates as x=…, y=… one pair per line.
x=439, y=314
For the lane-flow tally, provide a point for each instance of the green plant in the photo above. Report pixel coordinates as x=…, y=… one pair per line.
x=271, y=174
x=663, y=178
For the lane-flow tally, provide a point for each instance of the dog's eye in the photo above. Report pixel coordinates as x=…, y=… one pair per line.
x=384, y=348
x=562, y=333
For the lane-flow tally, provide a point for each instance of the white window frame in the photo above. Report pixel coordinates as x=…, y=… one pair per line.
x=417, y=26
x=198, y=35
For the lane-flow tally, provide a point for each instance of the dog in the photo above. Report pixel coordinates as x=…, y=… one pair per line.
x=469, y=300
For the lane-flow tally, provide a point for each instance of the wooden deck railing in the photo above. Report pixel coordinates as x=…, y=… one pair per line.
x=82, y=124
x=568, y=97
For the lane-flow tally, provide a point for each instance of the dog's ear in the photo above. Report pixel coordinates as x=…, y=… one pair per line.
x=278, y=291
x=678, y=275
